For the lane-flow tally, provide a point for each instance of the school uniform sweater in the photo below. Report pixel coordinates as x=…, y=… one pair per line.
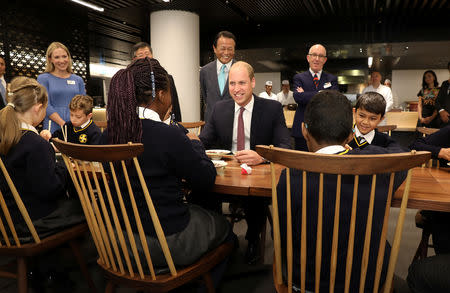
x=380, y=139
x=90, y=134
x=169, y=156
x=38, y=179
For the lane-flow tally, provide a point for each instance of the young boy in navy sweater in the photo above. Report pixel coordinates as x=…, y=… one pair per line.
x=80, y=128
x=367, y=114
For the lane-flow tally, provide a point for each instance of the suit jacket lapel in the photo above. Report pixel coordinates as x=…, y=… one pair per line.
x=229, y=120
x=256, y=121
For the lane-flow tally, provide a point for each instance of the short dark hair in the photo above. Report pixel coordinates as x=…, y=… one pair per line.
x=372, y=102
x=424, y=84
x=328, y=117
x=138, y=46
x=225, y=34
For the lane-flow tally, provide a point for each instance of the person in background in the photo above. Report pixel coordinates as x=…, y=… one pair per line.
x=214, y=75
x=138, y=100
x=268, y=94
x=80, y=129
x=30, y=161
x=443, y=101
x=142, y=50
x=376, y=86
x=427, y=95
x=367, y=114
x=3, y=91
x=239, y=124
x=327, y=127
x=388, y=83
x=286, y=96
x=306, y=85
x=61, y=84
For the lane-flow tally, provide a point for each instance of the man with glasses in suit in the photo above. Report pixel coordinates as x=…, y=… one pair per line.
x=306, y=85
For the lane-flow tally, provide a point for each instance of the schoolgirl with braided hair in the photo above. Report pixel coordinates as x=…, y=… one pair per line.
x=138, y=102
x=30, y=161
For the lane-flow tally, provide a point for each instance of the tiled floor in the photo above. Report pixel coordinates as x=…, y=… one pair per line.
x=243, y=278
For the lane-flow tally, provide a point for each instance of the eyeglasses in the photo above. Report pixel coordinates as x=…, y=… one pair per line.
x=317, y=56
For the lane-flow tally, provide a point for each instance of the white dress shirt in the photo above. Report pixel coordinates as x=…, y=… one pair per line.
x=266, y=96
x=219, y=66
x=286, y=99
x=27, y=126
x=319, y=74
x=247, y=117
x=368, y=136
x=331, y=150
x=146, y=113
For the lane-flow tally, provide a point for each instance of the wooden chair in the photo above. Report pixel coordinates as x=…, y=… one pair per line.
x=421, y=221
x=195, y=127
x=387, y=128
x=347, y=165
x=109, y=221
x=12, y=246
x=427, y=131
x=101, y=124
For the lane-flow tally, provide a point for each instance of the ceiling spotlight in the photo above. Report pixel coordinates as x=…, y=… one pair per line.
x=167, y=1
x=92, y=6
x=406, y=47
x=369, y=61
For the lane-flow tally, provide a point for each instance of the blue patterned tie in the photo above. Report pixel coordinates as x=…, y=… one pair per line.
x=222, y=78
x=3, y=92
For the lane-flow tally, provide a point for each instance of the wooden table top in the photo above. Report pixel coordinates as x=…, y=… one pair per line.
x=430, y=187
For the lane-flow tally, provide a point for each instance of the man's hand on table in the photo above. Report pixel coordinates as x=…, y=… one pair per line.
x=444, y=153
x=249, y=157
x=444, y=116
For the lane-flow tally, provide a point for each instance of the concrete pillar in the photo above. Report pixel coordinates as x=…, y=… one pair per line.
x=175, y=40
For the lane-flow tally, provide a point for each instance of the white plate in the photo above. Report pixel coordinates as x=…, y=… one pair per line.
x=216, y=154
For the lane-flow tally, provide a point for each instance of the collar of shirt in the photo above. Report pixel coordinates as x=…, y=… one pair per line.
x=85, y=124
x=319, y=74
x=26, y=126
x=146, y=113
x=331, y=150
x=368, y=136
x=219, y=66
x=248, y=107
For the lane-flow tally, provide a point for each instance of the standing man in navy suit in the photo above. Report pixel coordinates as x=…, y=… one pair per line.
x=306, y=85
x=214, y=75
x=239, y=124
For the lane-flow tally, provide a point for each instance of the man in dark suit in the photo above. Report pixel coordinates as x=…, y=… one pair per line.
x=142, y=50
x=306, y=85
x=327, y=127
x=239, y=124
x=443, y=101
x=214, y=75
x=2, y=83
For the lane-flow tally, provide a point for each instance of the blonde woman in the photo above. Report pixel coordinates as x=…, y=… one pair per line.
x=61, y=84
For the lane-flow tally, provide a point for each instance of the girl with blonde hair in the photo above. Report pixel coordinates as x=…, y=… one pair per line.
x=30, y=161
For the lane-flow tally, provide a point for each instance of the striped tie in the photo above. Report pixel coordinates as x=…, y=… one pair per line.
x=316, y=80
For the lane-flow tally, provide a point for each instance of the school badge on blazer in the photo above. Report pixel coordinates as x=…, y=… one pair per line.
x=82, y=138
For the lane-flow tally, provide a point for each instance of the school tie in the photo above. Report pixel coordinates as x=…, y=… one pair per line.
x=316, y=80
x=240, y=131
x=222, y=78
x=3, y=92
